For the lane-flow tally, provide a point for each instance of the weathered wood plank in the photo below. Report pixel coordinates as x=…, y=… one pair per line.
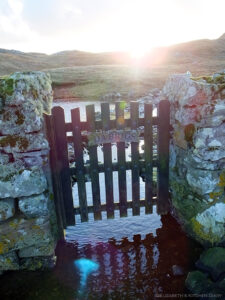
x=115, y=167
x=56, y=183
x=78, y=148
x=116, y=206
x=134, y=114
x=120, y=123
x=112, y=124
x=148, y=157
x=107, y=150
x=163, y=156
x=93, y=154
x=63, y=163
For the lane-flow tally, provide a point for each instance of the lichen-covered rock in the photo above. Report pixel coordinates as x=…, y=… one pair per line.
x=7, y=208
x=209, y=225
x=197, y=154
x=9, y=261
x=35, y=158
x=34, y=206
x=27, y=87
x=23, y=183
x=15, y=120
x=202, y=181
x=21, y=233
x=37, y=263
x=24, y=170
x=23, y=142
x=209, y=143
x=4, y=158
x=42, y=250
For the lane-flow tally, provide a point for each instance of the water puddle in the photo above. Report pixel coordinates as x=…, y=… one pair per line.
x=90, y=265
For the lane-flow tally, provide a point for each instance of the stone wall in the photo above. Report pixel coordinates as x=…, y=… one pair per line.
x=27, y=218
x=197, y=155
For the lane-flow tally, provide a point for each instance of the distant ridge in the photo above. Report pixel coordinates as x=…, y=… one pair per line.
x=11, y=51
x=222, y=37
x=202, y=52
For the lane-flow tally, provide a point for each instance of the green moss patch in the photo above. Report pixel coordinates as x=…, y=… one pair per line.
x=6, y=89
x=185, y=201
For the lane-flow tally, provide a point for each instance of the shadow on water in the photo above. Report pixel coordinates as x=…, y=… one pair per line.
x=138, y=269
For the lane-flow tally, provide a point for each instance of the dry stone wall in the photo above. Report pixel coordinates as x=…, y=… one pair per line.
x=197, y=154
x=27, y=216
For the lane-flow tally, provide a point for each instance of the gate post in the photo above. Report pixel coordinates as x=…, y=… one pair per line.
x=163, y=156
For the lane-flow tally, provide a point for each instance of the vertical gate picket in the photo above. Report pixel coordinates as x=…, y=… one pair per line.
x=134, y=116
x=80, y=172
x=148, y=157
x=107, y=149
x=120, y=124
x=57, y=188
x=63, y=163
x=90, y=112
x=163, y=157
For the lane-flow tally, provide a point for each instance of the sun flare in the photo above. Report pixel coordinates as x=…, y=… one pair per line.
x=137, y=53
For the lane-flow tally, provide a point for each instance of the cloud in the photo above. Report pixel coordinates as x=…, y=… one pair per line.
x=105, y=25
x=13, y=28
x=53, y=17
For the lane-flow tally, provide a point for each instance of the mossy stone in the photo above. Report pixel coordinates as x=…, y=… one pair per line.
x=213, y=261
x=198, y=282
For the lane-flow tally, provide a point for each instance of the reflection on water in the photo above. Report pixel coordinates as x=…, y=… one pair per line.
x=118, y=228
x=136, y=268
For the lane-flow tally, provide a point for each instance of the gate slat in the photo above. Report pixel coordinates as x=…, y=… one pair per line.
x=56, y=183
x=120, y=122
x=134, y=116
x=63, y=163
x=90, y=112
x=163, y=157
x=148, y=157
x=78, y=148
x=107, y=150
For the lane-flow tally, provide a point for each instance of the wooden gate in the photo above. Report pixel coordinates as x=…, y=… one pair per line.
x=80, y=135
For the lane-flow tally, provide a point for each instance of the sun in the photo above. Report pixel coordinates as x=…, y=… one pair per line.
x=137, y=53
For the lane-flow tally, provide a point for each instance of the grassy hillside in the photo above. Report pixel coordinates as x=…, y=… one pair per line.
x=82, y=75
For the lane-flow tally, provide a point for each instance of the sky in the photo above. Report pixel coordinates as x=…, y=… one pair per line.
x=135, y=26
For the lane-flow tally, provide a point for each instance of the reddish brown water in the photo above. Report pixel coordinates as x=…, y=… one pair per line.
x=137, y=269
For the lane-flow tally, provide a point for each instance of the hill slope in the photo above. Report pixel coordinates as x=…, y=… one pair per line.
x=83, y=75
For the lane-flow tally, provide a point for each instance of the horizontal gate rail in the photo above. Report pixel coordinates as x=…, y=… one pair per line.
x=103, y=207
x=112, y=124
x=115, y=167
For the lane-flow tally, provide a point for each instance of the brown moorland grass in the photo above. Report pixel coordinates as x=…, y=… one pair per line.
x=88, y=76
